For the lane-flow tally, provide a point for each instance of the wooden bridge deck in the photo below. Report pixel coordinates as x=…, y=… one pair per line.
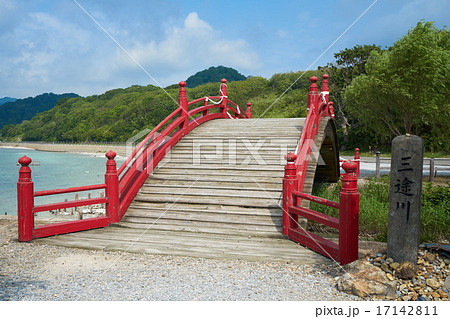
x=217, y=194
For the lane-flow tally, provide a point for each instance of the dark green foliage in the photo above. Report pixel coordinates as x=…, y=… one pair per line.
x=6, y=99
x=349, y=64
x=24, y=109
x=406, y=89
x=214, y=74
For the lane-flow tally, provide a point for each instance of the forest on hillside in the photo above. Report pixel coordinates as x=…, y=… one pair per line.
x=16, y=111
x=378, y=93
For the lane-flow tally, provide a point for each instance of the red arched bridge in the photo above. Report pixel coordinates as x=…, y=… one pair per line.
x=210, y=181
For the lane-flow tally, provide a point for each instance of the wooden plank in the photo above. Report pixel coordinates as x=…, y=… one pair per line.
x=198, y=224
x=206, y=217
x=206, y=230
x=273, y=211
x=210, y=192
x=259, y=202
x=213, y=185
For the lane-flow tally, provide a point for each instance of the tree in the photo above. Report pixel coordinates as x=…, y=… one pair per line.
x=214, y=74
x=349, y=64
x=406, y=88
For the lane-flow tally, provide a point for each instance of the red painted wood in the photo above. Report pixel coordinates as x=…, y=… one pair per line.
x=112, y=188
x=202, y=109
x=248, y=113
x=183, y=104
x=321, y=245
x=69, y=190
x=68, y=204
x=357, y=160
x=25, y=201
x=316, y=216
x=224, y=97
x=348, y=215
x=290, y=183
x=316, y=199
x=70, y=227
x=202, y=99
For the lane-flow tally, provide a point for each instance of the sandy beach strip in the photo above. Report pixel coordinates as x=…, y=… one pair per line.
x=121, y=150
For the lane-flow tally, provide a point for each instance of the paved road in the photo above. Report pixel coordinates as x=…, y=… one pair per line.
x=442, y=165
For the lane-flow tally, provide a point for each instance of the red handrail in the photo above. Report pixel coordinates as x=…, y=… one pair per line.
x=295, y=173
x=69, y=190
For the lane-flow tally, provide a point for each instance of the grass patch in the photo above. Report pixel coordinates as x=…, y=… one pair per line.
x=374, y=207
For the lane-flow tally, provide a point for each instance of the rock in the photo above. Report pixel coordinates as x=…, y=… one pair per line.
x=406, y=270
x=385, y=267
x=430, y=257
x=447, y=283
x=422, y=298
x=406, y=298
x=366, y=280
x=433, y=283
x=377, y=264
x=435, y=295
x=389, y=260
x=402, y=286
x=390, y=277
x=443, y=294
x=394, y=265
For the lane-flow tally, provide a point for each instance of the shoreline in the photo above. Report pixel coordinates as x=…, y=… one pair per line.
x=86, y=149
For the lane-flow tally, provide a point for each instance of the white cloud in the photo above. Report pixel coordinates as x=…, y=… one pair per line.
x=194, y=46
x=47, y=52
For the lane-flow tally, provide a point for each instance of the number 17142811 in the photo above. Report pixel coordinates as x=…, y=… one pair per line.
x=407, y=311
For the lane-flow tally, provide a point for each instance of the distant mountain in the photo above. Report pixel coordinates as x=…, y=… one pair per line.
x=6, y=99
x=214, y=74
x=24, y=109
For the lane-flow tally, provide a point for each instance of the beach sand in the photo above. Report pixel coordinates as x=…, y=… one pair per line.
x=121, y=150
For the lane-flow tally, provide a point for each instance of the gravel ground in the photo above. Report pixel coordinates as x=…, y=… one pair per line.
x=30, y=271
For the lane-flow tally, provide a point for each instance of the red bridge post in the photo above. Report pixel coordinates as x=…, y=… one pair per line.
x=357, y=161
x=183, y=103
x=25, y=201
x=290, y=183
x=248, y=113
x=324, y=90
x=348, y=214
x=313, y=104
x=112, y=188
x=224, y=97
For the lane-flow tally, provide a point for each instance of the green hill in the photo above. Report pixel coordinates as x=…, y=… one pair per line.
x=214, y=74
x=6, y=99
x=24, y=109
x=119, y=114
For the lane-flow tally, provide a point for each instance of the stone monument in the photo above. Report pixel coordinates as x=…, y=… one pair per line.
x=405, y=198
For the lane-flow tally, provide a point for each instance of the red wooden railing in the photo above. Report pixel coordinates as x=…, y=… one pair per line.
x=26, y=208
x=122, y=185
x=295, y=172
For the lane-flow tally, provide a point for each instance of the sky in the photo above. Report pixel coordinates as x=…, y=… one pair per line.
x=91, y=46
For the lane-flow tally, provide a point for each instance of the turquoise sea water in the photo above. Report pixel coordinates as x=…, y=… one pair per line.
x=55, y=170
